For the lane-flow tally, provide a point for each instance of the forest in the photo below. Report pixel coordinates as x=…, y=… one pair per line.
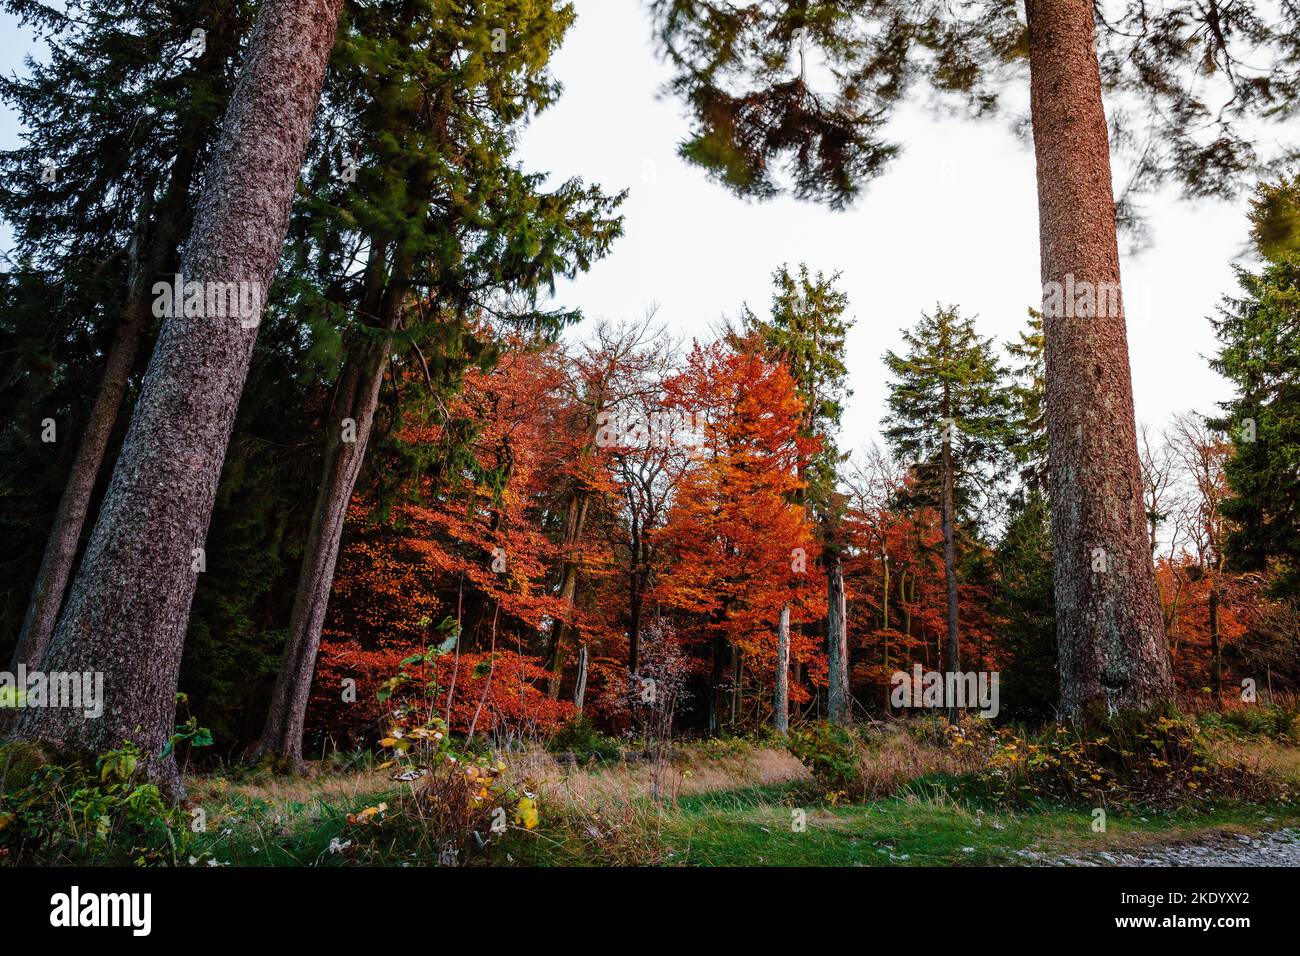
x=333, y=534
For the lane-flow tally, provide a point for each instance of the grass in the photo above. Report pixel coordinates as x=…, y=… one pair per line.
x=726, y=805
x=748, y=828
x=732, y=802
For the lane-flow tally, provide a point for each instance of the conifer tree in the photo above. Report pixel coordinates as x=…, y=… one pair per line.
x=1028, y=387
x=1260, y=355
x=127, y=611
x=423, y=106
x=950, y=420
x=117, y=120
x=806, y=332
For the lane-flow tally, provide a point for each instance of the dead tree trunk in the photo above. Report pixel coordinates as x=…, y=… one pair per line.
x=129, y=605
x=580, y=689
x=1113, y=654
x=837, y=658
x=781, y=704
x=953, y=655
x=1216, y=646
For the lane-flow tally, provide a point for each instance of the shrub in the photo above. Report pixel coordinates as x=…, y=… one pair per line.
x=833, y=755
x=457, y=802
x=1265, y=720
x=66, y=813
x=580, y=737
x=1140, y=761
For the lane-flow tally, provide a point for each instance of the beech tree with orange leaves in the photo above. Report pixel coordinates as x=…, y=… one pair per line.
x=741, y=546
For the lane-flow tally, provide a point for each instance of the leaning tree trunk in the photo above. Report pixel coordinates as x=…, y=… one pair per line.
x=347, y=436
x=952, y=659
x=781, y=704
x=837, y=657
x=153, y=249
x=1113, y=654
x=127, y=612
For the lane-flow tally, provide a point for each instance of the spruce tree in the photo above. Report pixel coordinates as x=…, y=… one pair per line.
x=1259, y=332
x=117, y=120
x=806, y=331
x=950, y=420
x=423, y=106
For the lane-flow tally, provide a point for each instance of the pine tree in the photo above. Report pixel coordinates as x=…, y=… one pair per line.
x=950, y=419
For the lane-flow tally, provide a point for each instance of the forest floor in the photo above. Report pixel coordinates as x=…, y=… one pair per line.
x=732, y=803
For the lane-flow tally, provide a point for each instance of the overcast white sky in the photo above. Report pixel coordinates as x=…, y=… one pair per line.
x=954, y=221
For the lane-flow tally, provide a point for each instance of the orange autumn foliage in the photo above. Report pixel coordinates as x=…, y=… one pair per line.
x=739, y=544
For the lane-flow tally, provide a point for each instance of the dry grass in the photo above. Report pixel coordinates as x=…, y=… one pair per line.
x=1260, y=756
x=609, y=816
x=283, y=791
x=892, y=760
x=690, y=772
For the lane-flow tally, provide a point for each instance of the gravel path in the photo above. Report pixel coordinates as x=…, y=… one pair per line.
x=1281, y=848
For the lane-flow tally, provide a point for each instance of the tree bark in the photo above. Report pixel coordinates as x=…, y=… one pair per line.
x=718, y=684
x=837, y=657
x=575, y=519
x=358, y=399
x=1113, y=653
x=580, y=688
x=952, y=658
x=127, y=611
x=634, y=624
x=153, y=251
x=781, y=704
x=1216, y=647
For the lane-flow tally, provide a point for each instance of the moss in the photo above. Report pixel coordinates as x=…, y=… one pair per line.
x=277, y=765
x=20, y=759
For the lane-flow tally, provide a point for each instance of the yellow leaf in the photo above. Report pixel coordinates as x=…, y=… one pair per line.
x=526, y=813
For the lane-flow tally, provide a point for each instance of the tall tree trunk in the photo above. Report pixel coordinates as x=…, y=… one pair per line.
x=1216, y=648
x=635, y=600
x=781, y=703
x=580, y=688
x=574, y=520
x=153, y=246
x=837, y=657
x=884, y=593
x=129, y=605
x=358, y=399
x=952, y=658
x=1113, y=654
x=718, y=684
x=906, y=605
